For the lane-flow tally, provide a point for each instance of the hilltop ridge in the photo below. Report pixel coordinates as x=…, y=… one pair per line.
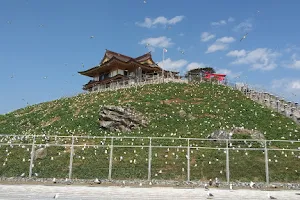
x=208, y=107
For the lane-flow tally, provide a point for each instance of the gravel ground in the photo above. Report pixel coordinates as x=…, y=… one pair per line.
x=27, y=191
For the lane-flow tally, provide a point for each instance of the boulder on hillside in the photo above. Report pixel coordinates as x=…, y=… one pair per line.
x=227, y=134
x=121, y=119
x=40, y=153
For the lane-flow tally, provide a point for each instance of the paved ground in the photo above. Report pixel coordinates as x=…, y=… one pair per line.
x=20, y=192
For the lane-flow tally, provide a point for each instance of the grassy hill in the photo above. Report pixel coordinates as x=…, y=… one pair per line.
x=208, y=107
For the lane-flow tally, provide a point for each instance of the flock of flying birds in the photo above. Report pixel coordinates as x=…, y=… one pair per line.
x=146, y=46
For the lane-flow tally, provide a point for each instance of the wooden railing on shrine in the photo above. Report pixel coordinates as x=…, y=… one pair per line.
x=134, y=82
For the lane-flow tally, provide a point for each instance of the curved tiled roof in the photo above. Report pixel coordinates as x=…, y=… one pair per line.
x=113, y=58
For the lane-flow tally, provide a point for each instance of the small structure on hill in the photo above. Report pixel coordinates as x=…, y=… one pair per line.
x=116, y=68
x=205, y=74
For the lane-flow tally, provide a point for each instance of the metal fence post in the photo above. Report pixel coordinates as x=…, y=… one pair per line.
x=71, y=158
x=227, y=163
x=110, y=158
x=267, y=163
x=188, y=161
x=31, y=156
x=149, y=159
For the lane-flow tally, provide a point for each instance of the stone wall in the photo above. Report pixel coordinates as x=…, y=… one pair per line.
x=287, y=108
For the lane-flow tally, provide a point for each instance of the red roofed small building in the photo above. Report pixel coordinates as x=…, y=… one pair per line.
x=115, y=66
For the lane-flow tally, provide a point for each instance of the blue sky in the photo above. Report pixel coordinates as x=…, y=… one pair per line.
x=43, y=44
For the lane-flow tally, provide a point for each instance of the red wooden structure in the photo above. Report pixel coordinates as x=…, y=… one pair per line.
x=219, y=77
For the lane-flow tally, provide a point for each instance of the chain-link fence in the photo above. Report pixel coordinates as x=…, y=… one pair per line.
x=147, y=158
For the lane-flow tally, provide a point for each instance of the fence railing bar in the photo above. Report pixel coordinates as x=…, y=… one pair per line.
x=110, y=158
x=31, y=157
x=71, y=159
x=227, y=163
x=267, y=164
x=149, y=160
x=154, y=138
x=188, y=161
x=147, y=146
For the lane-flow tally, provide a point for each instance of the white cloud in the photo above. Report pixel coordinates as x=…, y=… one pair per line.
x=231, y=19
x=168, y=64
x=161, y=42
x=291, y=48
x=260, y=59
x=295, y=85
x=222, y=22
x=176, y=19
x=220, y=44
x=244, y=26
x=289, y=87
x=149, y=23
x=216, y=47
x=295, y=64
x=206, y=36
x=236, y=53
x=219, y=23
x=195, y=65
x=226, y=40
x=229, y=73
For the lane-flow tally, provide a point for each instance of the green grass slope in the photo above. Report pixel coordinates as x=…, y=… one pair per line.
x=209, y=107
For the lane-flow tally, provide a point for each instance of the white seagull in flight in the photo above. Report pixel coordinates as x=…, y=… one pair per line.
x=244, y=37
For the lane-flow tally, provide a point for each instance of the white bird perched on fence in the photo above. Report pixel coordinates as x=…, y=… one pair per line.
x=97, y=181
x=206, y=186
x=252, y=184
x=217, y=182
x=230, y=187
x=210, y=182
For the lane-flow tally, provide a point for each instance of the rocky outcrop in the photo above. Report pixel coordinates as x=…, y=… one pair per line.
x=40, y=153
x=121, y=119
x=227, y=134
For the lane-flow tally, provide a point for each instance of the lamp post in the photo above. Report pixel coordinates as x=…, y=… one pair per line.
x=163, y=62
